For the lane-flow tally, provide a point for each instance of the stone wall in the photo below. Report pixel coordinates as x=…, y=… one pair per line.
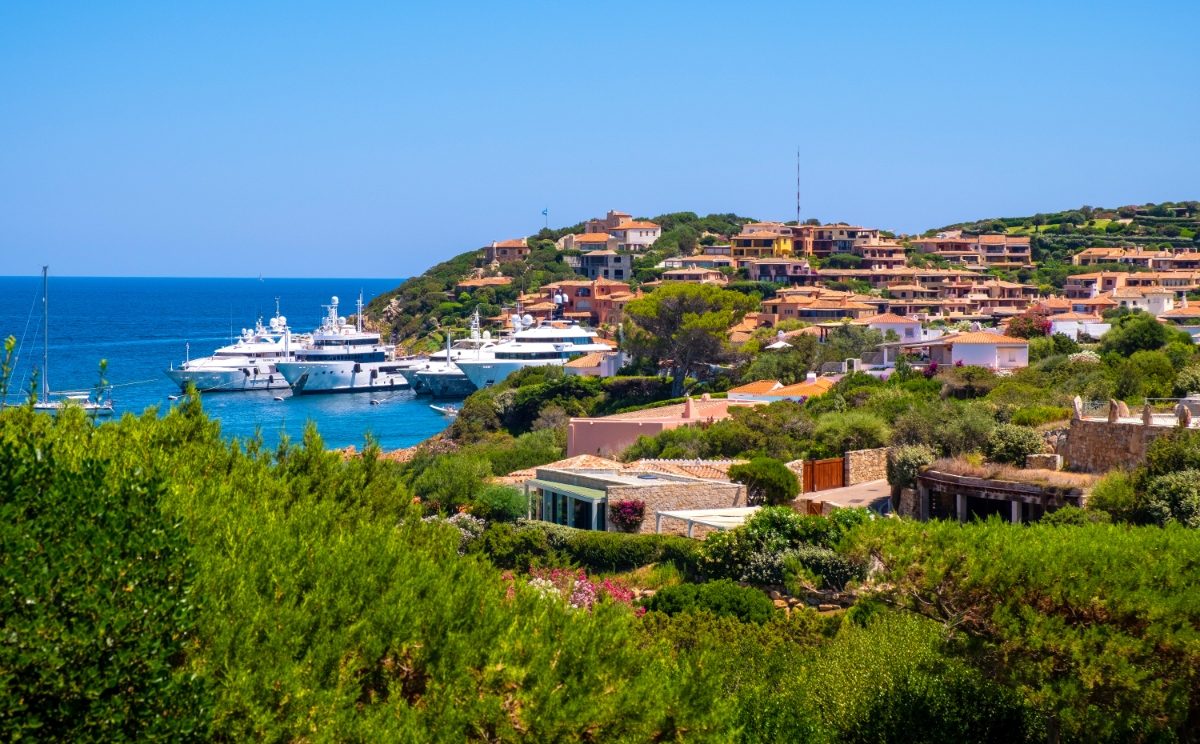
x=1099, y=446
x=866, y=465
x=676, y=497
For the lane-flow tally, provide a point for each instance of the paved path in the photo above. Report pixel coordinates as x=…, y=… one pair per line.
x=872, y=494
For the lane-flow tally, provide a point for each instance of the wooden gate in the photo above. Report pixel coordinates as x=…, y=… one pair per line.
x=820, y=475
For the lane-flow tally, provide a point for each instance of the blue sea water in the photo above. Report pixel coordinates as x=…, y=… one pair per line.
x=140, y=325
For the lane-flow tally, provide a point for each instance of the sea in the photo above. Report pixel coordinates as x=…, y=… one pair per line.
x=143, y=325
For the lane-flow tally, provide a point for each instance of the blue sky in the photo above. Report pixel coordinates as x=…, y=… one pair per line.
x=334, y=139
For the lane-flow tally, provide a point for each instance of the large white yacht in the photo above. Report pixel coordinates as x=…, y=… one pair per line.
x=440, y=376
x=531, y=346
x=250, y=363
x=343, y=358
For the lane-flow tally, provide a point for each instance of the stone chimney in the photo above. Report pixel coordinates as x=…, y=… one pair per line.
x=689, y=408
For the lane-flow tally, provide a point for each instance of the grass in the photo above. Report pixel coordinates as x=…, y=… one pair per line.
x=973, y=468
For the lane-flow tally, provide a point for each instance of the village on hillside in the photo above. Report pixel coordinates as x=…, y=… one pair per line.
x=839, y=306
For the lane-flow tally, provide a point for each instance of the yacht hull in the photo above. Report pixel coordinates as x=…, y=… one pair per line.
x=229, y=380
x=443, y=384
x=313, y=378
x=486, y=374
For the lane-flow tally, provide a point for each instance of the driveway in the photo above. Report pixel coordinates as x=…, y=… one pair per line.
x=873, y=495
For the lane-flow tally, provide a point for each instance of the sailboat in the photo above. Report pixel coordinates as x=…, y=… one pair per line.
x=93, y=405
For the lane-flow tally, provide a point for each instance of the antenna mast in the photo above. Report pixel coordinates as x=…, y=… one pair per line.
x=45, y=333
x=797, y=184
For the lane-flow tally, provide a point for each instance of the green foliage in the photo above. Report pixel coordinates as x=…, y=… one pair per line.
x=1187, y=381
x=837, y=433
x=949, y=428
x=721, y=598
x=1139, y=331
x=1038, y=415
x=1173, y=452
x=834, y=570
x=452, y=480
x=1115, y=494
x=499, y=504
x=756, y=552
x=967, y=381
x=1010, y=443
x=905, y=463
x=767, y=481
x=684, y=323
x=1089, y=632
x=97, y=592
x=1171, y=497
x=779, y=430
x=1073, y=516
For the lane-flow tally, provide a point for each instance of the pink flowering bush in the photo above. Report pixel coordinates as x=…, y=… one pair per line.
x=628, y=514
x=577, y=588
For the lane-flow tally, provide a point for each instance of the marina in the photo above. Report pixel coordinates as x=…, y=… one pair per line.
x=143, y=326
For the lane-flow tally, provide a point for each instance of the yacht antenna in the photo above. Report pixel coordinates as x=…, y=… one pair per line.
x=276, y=306
x=358, y=316
x=45, y=333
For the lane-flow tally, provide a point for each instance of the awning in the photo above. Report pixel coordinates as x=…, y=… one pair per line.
x=718, y=519
x=580, y=492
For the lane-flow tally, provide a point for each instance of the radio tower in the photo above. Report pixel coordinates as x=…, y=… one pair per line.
x=797, y=185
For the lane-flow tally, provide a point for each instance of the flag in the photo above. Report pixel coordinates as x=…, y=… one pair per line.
x=546, y=212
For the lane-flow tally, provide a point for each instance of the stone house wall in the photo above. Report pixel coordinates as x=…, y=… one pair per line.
x=866, y=465
x=675, y=497
x=1099, y=446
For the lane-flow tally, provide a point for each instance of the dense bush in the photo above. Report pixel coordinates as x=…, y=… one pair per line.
x=1174, y=497
x=905, y=463
x=628, y=514
x=1096, y=636
x=1010, y=443
x=722, y=597
x=1116, y=495
x=499, y=504
x=838, y=433
x=1038, y=415
x=833, y=569
x=98, y=604
x=767, y=481
x=756, y=551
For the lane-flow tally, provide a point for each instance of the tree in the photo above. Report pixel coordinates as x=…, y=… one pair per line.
x=684, y=325
x=1138, y=331
x=767, y=481
x=1032, y=324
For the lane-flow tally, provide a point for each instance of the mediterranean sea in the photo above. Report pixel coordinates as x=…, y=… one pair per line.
x=141, y=325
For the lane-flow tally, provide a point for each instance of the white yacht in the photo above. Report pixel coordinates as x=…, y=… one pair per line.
x=247, y=364
x=343, y=358
x=440, y=376
x=530, y=346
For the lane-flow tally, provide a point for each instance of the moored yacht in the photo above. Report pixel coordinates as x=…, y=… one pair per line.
x=440, y=376
x=343, y=358
x=531, y=346
x=247, y=364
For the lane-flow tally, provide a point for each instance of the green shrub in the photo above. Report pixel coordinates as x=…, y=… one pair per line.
x=612, y=551
x=499, y=504
x=452, y=480
x=1172, y=452
x=837, y=433
x=1038, y=415
x=1115, y=495
x=905, y=463
x=1174, y=497
x=767, y=481
x=722, y=598
x=834, y=570
x=1010, y=443
x=1073, y=516
x=512, y=547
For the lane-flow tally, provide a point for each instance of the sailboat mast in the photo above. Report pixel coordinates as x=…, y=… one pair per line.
x=45, y=333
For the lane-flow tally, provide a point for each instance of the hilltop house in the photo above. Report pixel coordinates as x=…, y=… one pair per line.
x=504, y=251
x=978, y=348
x=604, y=264
x=635, y=235
x=587, y=242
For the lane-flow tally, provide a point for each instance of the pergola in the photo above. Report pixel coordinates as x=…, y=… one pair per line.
x=718, y=519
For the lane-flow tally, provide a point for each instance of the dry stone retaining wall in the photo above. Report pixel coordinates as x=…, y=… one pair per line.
x=1099, y=446
x=866, y=465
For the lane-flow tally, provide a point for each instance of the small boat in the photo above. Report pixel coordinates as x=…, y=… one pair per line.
x=172, y=397
x=279, y=397
x=375, y=401
x=445, y=410
x=95, y=403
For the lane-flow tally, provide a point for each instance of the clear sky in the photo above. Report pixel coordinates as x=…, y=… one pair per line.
x=353, y=138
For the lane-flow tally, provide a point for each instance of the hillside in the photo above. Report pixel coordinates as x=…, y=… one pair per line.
x=1058, y=235
x=417, y=313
